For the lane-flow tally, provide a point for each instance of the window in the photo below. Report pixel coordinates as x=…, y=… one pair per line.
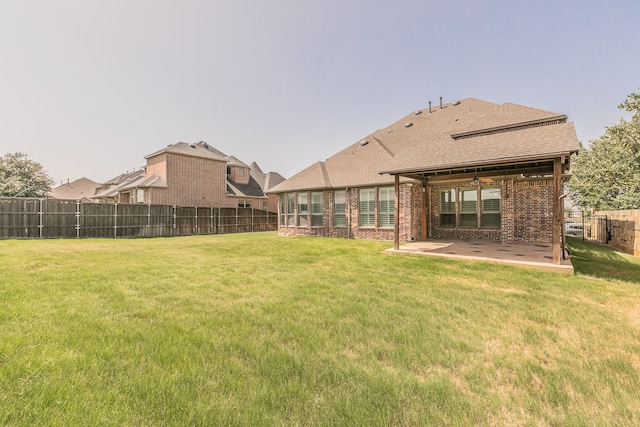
x=303, y=209
x=367, y=207
x=228, y=170
x=490, y=207
x=283, y=209
x=316, y=209
x=448, y=208
x=244, y=204
x=339, y=211
x=240, y=171
x=291, y=205
x=469, y=207
x=386, y=207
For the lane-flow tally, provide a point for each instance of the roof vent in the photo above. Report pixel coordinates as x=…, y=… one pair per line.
x=408, y=124
x=454, y=103
x=363, y=143
x=192, y=145
x=417, y=113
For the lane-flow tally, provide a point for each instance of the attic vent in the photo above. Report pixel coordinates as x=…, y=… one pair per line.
x=363, y=143
x=408, y=124
x=417, y=113
x=454, y=103
x=192, y=145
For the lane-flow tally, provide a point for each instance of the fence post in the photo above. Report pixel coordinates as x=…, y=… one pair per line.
x=212, y=228
x=252, y=220
x=236, y=220
x=174, y=220
x=77, y=219
x=197, y=231
x=148, y=220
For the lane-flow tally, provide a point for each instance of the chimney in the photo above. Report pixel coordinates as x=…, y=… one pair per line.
x=429, y=107
x=441, y=103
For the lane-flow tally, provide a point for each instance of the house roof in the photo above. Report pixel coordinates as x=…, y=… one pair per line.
x=251, y=189
x=74, y=190
x=485, y=132
x=134, y=182
x=265, y=180
x=198, y=149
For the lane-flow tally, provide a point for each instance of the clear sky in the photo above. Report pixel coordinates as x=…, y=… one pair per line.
x=88, y=88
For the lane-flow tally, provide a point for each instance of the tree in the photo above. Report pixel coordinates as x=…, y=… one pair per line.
x=606, y=176
x=21, y=177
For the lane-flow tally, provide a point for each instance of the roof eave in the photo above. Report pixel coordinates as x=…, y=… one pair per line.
x=562, y=117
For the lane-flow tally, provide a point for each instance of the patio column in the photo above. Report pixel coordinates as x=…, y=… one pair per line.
x=557, y=210
x=396, y=216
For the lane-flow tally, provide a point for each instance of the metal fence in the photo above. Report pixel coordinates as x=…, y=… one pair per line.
x=586, y=226
x=27, y=218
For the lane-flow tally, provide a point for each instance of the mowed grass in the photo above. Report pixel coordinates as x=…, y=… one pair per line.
x=261, y=330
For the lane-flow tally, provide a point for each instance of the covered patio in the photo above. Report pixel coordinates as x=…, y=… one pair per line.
x=533, y=255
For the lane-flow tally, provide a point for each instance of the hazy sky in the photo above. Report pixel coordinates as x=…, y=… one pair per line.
x=88, y=87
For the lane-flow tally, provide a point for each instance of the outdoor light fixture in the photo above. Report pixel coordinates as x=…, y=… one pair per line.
x=475, y=181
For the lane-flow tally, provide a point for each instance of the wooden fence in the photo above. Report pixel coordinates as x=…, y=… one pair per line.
x=27, y=218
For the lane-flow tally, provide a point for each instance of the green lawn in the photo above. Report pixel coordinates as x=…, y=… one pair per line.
x=256, y=329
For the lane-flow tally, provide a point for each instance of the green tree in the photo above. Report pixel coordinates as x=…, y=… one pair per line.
x=21, y=177
x=606, y=176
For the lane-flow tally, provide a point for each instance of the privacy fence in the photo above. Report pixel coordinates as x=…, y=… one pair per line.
x=26, y=218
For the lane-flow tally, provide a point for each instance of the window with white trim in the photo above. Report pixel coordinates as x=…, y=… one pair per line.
x=448, y=207
x=316, y=209
x=367, y=205
x=303, y=210
x=339, y=209
x=386, y=207
x=291, y=206
x=491, y=207
x=469, y=207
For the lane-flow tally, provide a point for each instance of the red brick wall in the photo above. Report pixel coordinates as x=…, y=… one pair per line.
x=533, y=211
x=410, y=196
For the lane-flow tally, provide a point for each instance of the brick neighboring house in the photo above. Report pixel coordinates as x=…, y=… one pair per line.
x=185, y=174
x=469, y=169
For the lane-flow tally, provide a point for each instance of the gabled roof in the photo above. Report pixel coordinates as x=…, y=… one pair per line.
x=198, y=149
x=265, y=180
x=135, y=182
x=425, y=139
x=74, y=190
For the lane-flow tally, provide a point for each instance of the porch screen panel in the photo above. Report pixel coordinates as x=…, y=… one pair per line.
x=386, y=207
x=367, y=207
x=339, y=209
x=491, y=206
x=316, y=209
x=448, y=208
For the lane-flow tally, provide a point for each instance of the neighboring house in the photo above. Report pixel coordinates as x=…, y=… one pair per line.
x=185, y=174
x=469, y=169
x=80, y=189
x=267, y=181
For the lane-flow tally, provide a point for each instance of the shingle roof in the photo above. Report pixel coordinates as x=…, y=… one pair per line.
x=423, y=139
x=78, y=189
x=265, y=180
x=198, y=149
x=135, y=182
x=252, y=188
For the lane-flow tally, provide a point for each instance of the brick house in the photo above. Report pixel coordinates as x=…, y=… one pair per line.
x=196, y=174
x=469, y=169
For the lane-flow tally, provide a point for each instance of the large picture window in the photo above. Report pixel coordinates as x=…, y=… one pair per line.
x=283, y=209
x=303, y=210
x=386, y=207
x=448, y=208
x=367, y=207
x=491, y=208
x=339, y=209
x=477, y=207
x=469, y=207
x=316, y=209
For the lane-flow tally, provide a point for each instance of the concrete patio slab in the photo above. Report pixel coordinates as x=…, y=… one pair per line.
x=534, y=255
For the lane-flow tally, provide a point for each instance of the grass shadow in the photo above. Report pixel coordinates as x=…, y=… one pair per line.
x=602, y=261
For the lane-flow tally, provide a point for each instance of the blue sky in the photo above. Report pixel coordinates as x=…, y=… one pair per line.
x=88, y=88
